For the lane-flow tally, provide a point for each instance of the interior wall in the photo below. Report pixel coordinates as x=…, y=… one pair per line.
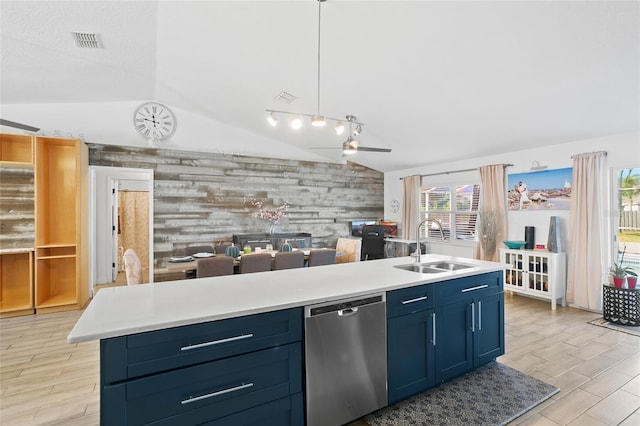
x=17, y=215
x=623, y=151
x=204, y=198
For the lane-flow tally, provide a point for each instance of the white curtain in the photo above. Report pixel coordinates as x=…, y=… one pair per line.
x=492, y=220
x=587, y=254
x=411, y=207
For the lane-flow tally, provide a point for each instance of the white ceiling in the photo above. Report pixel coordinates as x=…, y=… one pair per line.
x=434, y=81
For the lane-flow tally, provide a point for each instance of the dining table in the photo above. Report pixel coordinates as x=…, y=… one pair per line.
x=184, y=267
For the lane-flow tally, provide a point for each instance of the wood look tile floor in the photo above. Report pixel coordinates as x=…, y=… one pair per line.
x=46, y=381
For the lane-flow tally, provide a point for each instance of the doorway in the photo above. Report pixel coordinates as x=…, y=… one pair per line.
x=121, y=217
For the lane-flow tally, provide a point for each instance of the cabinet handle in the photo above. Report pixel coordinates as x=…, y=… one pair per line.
x=479, y=287
x=433, y=325
x=479, y=315
x=216, y=342
x=417, y=299
x=473, y=317
x=212, y=394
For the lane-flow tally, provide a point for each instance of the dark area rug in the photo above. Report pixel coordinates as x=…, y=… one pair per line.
x=493, y=394
x=629, y=329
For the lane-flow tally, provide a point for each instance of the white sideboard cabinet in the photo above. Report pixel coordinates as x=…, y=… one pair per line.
x=536, y=273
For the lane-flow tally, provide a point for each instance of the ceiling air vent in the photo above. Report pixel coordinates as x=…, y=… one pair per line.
x=285, y=97
x=88, y=40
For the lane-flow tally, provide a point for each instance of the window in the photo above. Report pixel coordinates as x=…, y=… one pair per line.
x=455, y=207
x=628, y=230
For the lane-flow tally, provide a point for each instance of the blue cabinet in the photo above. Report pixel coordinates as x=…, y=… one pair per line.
x=436, y=332
x=470, y=324
x=410, y=342
x=218, y=373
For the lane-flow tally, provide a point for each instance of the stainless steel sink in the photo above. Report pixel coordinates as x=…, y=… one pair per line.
x=433, y=267
x=419, y=267
x=449, y=266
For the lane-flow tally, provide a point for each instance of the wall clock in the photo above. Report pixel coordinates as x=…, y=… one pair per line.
x=395, y=206
x=154, y=121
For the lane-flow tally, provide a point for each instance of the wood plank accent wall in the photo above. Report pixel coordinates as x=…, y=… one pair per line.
x=17, y=217
x=204, y=198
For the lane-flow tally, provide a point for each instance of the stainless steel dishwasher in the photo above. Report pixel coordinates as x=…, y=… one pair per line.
x=346, y=359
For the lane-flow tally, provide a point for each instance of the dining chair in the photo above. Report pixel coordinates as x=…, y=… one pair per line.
x=350, y=248
x=322, y=257
x=132, y=267
x=286, y=247
x=288, y=260
x=190, y=251
x=372, y=242
x=214, y=266
x=255, y=262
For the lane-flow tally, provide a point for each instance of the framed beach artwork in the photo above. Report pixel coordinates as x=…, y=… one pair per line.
x=543, y=190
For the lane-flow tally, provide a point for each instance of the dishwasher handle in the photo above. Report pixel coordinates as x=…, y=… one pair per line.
x=347, y=312
x=343, y=308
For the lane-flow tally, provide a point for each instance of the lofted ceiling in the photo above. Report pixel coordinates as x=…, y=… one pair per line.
x=433, y=81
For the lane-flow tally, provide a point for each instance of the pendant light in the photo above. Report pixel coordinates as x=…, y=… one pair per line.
x=317, y=119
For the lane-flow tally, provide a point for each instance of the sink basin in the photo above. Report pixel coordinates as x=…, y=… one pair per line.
x=449, y=266
x=433, y=267
x=419, y=267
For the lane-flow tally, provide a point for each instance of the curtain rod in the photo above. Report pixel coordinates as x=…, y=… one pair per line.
x=604, y=153
x=454, y=171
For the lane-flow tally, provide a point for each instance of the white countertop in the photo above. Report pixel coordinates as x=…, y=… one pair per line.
x=124, y=310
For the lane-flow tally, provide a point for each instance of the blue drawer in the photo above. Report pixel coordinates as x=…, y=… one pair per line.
x=408, y=300
x=206, y=392
x=468, y=287
x=138, y=355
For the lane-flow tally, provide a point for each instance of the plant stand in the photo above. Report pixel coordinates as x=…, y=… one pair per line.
x=621, y=305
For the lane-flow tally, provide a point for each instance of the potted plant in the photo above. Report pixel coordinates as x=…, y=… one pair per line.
x=632, y=277
x=617, y=271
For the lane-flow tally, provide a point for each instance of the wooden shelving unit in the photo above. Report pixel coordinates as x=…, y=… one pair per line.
x=16, y=283
x=61, y=176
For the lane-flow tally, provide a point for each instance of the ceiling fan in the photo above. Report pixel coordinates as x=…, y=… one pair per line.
x=352, y=146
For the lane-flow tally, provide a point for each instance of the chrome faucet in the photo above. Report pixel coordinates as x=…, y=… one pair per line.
x=422, y=222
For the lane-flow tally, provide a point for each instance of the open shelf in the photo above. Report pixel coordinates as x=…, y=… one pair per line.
x=56, y=279
x=16, y=284
x=16, y=150
x=56, y=189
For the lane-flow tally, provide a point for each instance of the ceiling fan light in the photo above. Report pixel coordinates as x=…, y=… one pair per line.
x=296, y=122
x=318, y=121
x=358, y=130
x=339, y=128
x=272, y=119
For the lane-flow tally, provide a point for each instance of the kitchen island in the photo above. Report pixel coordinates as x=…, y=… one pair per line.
x=230, y=349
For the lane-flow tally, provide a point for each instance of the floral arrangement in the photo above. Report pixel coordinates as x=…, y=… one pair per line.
x=273, y=215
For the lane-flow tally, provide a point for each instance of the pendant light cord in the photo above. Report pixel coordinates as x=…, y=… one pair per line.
x=319, y=18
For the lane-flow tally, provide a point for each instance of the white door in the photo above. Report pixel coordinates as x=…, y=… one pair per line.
x=103, y=219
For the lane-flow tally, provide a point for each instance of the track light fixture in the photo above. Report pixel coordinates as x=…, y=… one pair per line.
x=273, y=120
x=317, y=119
x=296, y=122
